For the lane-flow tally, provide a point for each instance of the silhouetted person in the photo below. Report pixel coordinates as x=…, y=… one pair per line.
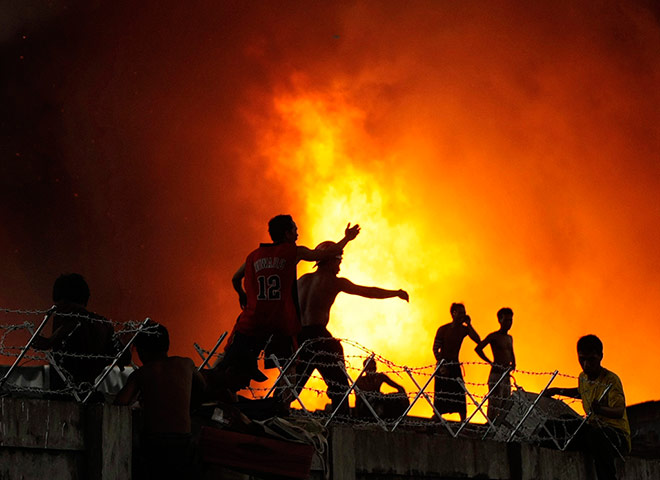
x=386, y=405
x=164, y=387
x=270, y=298
x=318, y=291
x=77, y=331
x=501, y=344
x=607, y=430
x=449, y=393
x=224, y=381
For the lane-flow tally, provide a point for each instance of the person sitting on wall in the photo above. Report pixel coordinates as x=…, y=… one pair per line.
x=607, y=432
x=386, y=405
x=82, y=342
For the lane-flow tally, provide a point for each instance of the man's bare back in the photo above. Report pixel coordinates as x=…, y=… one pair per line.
x=166, y=387
x=317, y=292
x=163, y=384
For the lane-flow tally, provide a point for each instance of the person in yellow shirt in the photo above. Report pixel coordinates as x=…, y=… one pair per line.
x=607, y=432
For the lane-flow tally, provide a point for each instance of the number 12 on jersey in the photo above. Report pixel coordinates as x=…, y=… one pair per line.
x=269, y=287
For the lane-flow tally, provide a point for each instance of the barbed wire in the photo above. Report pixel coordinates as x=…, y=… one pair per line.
x=352, y=365
x=23, y=311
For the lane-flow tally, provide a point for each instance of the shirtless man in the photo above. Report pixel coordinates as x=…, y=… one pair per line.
x=449, y=393
x=323, y=352
x=269, y=301
x=164, y=386
x=501, y=344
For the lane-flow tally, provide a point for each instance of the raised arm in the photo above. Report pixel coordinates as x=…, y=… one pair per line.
x=304, y=253
x=349, y=234
x=237, y=282
x=472, y=333
x=349, y=287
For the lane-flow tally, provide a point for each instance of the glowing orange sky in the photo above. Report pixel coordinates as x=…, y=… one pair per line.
x=500, y=156
x=517, y=175
x=470, y=232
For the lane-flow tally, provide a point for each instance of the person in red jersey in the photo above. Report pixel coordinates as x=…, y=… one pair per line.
x=267, y=292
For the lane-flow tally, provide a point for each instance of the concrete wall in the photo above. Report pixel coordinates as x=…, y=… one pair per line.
x=372, y=454
x=41, y=439
x=44, y=439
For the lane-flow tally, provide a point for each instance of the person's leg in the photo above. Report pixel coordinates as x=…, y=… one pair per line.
x=499, y=396
x=604, y=445
x=305, y=366
x=458, y=392
x=462, y=408
x=282, y=348
x=440, y=394
x=493, y=401
x=331, y=365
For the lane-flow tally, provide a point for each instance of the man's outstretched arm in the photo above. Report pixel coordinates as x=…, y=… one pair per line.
x=393, y=384
x=566, y=392
x=349, y=287
x=304, y=253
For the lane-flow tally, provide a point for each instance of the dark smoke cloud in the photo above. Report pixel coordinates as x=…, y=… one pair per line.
x=127, y=149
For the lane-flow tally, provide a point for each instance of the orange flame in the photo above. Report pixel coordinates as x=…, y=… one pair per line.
x=451, y=249
x=322, y=145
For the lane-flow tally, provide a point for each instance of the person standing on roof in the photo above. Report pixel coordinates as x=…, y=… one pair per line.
x=322, y=351
x=268, y=295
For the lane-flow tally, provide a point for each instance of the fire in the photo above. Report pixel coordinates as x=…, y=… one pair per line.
x=430, y=229
x=341, y=177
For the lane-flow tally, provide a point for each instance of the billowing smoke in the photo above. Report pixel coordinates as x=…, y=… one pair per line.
x=513, y=147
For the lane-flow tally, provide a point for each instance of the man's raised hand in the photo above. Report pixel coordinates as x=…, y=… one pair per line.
x=351, y=232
